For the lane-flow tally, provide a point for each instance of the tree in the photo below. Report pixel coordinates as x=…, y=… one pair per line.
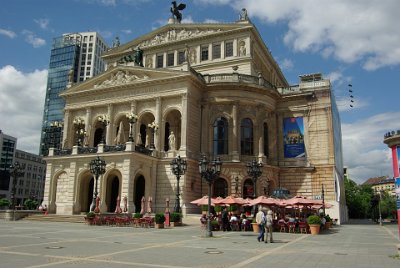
x=358, y=200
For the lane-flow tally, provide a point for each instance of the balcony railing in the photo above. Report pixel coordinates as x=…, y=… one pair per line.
x=237, y=78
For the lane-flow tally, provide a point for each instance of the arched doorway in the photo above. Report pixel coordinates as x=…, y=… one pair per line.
x=112, y=194
x=220, y=188
x=139, y=192
x=248, y=188
x=87, y=186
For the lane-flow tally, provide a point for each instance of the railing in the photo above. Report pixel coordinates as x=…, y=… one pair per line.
x=62, y=151
x=87, y=150
x=114, y=148
x=236, y=77
x=143, y=150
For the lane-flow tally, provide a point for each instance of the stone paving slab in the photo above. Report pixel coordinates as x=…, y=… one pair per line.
x=47, y=244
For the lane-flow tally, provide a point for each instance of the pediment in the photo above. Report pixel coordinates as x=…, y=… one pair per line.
x=122, y=76
x=175, y=33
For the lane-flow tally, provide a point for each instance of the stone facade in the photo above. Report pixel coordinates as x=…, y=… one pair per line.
x=218, y=89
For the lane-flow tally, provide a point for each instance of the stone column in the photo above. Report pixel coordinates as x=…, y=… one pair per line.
x=88, y=125
x=66, y=135
x=235, y=135
x=184, y=125
x=110, y=113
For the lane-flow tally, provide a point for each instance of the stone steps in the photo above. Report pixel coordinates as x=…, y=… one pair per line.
x=56, y=218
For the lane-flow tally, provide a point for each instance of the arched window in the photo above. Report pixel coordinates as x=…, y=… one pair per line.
x=220, y=188
x=246, y=137
x=266, y=142
x=220, y=136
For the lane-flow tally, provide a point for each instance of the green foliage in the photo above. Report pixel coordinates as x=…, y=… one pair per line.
x=137, y=215
x=218, y=208
x=176, y=217
x=328, y=218
x=4, y=202
x=232, y=208
x=160, y=218
x=360, y=200
x=388, y=206
x=313, y=219
x=90, y=214
x=30, y=204
x=204, y=208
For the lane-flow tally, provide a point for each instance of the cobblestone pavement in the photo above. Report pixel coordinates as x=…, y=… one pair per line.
x=58, y=245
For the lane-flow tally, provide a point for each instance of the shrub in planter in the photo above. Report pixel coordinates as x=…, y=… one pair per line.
x=137, y=215
x=232, y=208
x=204, y=208
x=30, y=204
x=218, y=209
x=313, y=219
x=159, y=218
x=4, y=202
x=90, y=215
x=175, y=217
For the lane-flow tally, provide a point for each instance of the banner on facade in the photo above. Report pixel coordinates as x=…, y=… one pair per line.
x=293, y=137
x=397, y=190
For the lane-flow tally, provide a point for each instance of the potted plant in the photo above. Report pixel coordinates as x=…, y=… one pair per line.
x=90, y=217
x=176, y=219
x=315, y=224
x=254, y=224
x=328, y=222
x=218, y=209
x=214, y=225
x=159, y=219
x=136, y=219
x=4, y=203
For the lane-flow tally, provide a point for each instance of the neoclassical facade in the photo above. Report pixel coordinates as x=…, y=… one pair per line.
x=211, y=89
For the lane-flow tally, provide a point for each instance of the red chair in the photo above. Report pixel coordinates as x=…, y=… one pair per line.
x=282, y=226
x=292, y=227
x=303, y=227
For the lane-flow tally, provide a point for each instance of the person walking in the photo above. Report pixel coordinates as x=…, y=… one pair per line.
x=260, y=220
x=269, y=227
x=225, y=220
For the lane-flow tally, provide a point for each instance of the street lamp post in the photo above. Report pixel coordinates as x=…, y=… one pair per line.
x=153, y=126
x=132, y=118
x=80, y=132
x=97, y=168
x=254, y=171
x=15, y=171
x=209, y=174
x=178, y=167
x=105, y=121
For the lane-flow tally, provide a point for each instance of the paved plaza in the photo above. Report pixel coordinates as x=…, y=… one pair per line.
x=49, y=244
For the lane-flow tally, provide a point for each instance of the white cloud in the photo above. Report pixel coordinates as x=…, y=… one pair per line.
x=43, y=23
x=364, y=31
x=127, y=31
x=21, y=111
x=32, y=39
x=8, y=33
x=364, y=152
x=286, y=64
x=187, y=19
x=108, y=2
x=211, y=21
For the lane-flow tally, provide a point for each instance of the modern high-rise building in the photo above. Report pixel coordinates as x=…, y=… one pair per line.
x=8, y=145
x=74, y=58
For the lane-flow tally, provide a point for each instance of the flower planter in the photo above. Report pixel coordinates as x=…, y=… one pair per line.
x=256, y=228
x=328, y=225
x=314, y=228
x=159, y=225
x=176, y=223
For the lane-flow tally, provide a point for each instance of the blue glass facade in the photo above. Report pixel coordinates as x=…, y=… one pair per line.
x=64, y=57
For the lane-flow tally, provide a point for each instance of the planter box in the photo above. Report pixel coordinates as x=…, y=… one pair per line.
x=256, y=228
x=314, y=229
x=159, y=225
x=176, y=223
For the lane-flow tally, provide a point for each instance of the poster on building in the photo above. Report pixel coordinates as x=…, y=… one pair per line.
x=398, y=157
x=293, y=137
x=397, y=189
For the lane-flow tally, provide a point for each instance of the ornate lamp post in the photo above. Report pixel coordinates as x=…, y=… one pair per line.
x=80, y=132
x=104, y=119
x=254, y=171
x=132, y=118
x=15, y=171
x=178, y=166
x=97, y=168
x=209, y=174
x=153, y=126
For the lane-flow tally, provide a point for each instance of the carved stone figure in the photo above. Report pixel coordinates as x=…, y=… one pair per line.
x=243, y=15
x=242, y=48
x=116, y=42
x=171, y=141
x=149, y=62
x=71, y=76
x=138, y=56
x=175, y=10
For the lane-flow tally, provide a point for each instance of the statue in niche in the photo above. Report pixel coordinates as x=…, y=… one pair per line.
x=71, y=76
x=149, y=62
x=175, y=10
x=171, y=141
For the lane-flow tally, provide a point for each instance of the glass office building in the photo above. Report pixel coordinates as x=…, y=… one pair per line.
x=81, y=53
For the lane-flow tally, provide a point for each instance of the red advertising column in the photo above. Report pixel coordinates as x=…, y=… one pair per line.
x=395, y=162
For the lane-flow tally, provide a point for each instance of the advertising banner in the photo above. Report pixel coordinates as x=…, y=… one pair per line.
x=397, y=189
x=293, y=137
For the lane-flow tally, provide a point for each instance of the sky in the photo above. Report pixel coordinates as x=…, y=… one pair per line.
x=350, y=42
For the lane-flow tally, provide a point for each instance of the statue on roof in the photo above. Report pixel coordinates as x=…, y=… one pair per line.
x=138, y=56
x=243, y=15
x=116, y=42
x=175, y=10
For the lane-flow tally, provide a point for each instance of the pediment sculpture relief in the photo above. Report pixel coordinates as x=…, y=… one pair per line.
x=120, y=78
x=175, y=35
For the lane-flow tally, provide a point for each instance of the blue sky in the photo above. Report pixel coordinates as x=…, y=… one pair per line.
x=351, y=42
